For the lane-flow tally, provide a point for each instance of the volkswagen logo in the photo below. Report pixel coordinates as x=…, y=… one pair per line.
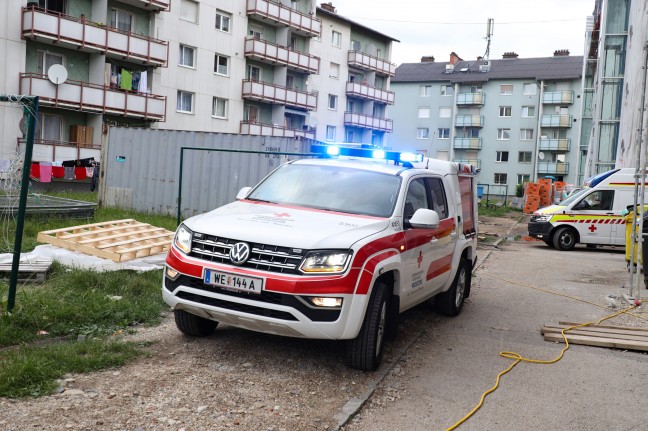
x=239, y=253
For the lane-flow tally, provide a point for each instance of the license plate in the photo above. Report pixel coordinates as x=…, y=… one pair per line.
x=233, y=281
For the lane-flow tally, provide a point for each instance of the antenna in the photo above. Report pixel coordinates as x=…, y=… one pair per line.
x=57, y=74
x=490, y=24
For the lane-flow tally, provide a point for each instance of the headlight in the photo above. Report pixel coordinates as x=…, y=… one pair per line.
x=541, y=218
x=326, y=261
x=182, y=239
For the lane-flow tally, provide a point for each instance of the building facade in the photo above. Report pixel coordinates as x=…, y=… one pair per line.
x=254, y=67
x=515, y=119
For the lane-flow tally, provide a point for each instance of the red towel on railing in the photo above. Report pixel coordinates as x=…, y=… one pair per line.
x=35, y=171
x=58, y=171
x=80, y=173
x=46, y=172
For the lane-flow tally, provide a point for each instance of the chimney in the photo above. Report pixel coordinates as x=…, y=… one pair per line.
x=427, y=59
x=479, y=58
x=561, y=53
x=328, y=6
x=510, y=54
x=454, y=58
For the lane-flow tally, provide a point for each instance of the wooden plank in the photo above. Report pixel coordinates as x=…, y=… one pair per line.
x=628, y=328
x=28, y=271
x=121, y=235
x=643, y=338
x=103, y=223
x=599, y=342
x=118, y=229
x=597, y=329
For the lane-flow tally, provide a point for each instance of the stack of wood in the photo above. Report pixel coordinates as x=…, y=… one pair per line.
x=626, y=338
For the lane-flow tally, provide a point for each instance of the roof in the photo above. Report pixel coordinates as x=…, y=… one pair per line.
x=543, y=68
x=321, y=11
x=429, y=165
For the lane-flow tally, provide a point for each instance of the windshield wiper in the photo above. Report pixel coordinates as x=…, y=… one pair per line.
x=261, y=200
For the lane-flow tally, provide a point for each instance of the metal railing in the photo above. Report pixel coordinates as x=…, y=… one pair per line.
x=272, y=53
x=278, y=94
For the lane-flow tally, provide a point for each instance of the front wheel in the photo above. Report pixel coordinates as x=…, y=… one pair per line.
x=451, y=302
x=193, y=325
x=564, y=239
x=366, y=350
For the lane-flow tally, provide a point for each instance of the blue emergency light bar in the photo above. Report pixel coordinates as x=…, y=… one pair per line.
x=369, y=153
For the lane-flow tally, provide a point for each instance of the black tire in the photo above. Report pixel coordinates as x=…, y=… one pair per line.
x=193, y=325
x=549, y=242
x=451, y=302
x=366, y=350
x=564, y=239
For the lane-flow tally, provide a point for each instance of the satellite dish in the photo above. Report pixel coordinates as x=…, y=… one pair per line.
x=57, y=74
x=541, y=155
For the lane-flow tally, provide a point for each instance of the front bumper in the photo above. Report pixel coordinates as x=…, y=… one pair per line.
x=540, y=230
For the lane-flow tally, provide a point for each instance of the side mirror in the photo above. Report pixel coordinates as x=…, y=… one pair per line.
x=424, y=219
x=242, y=194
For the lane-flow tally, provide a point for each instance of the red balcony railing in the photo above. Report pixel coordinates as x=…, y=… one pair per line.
x=370, y=93
x=368, y=122
x=278, y=14
x=86, y=97
x=277, y=94
x=58, y=29
x=370, y=62
x=50, y=150
x=256, y=128
x=272, y=53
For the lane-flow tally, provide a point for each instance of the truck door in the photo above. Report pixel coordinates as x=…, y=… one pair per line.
x=595, y=217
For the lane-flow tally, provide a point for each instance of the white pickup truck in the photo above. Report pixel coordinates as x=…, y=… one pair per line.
x=329, y=248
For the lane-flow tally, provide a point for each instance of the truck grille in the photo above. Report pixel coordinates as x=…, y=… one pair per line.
x=263, y=257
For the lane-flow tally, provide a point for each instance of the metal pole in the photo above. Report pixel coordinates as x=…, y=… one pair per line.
x=180, y=186
x=31, y=112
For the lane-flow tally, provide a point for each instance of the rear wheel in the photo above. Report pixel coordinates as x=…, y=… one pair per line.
x=366, y=350
x=451, y=302
x=193, y=325
x=564, y=239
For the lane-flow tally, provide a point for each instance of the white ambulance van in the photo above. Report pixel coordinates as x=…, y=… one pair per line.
x=590, y=216
x=330, y=248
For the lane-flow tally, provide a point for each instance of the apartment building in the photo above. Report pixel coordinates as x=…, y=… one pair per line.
x=254, y=67
x=516, y=119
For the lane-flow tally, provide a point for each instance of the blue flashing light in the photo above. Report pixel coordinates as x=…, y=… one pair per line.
x=333, y=151
x=595, y=180
x=373, y=153
x=411, y=157
x=378, y=154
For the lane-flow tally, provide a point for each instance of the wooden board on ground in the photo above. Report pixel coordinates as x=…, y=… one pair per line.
x=27, y=271
x=118, y=240
x=617, y=337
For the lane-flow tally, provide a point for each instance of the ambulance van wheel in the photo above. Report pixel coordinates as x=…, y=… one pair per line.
x=549, y=242
x=451, y=302
x=193, y=325
x=366, y=350
x=564, y=239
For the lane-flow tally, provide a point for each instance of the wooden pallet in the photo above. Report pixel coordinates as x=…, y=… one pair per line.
x=626, y=338
x=118, y=240
x=27, y=271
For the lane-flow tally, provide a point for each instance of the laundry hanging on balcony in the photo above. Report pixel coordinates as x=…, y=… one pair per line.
x=68, y=170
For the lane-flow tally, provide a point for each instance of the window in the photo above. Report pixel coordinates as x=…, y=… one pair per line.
x=47, y=60
x=332, y=102
x=185, y=102
x=506, y=89
x=189, y=10
x=422, y=133
x=351, y=105
x=121, y=20
x=223, y=20
x=355, y=45
x=290, y=82
x=530, y=89
x=254, y=73
x=252, y=113
x=425, y=91
x=526, y=134
x=502, y=156
x=349, y=136
x=437, y=192
x=186, y=56
x=500, y=179
x=524, y=157
x=504, y=111
x=416, y=198
x=335, y=70
x=336, y=39
x=219, y=107
x=221, y=65
x=447, y=90
x=330, y=133
x=52, y=5
x=424, y=112
x=523, y=178
x=445, y=112
x=503, y=134
x=528, y=111
x=475, y=89
x=444, y=133
x=599, y=200
x=256, y=33
x=51, y=126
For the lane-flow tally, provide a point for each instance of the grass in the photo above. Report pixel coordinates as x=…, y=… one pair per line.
x=72, y=302
x=495, y=211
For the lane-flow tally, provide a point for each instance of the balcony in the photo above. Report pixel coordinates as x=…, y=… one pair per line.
x=553, y=168
x=62, y=30
x=474, y=162
x=86, y=97
x=255, y=128
x=353, y=119
x=468, y=143
x=369, y=62
x=153, y=5
x=271, y=53
x=558, y=97
x=554, y=144
x=469, y=121
x=278, y=95
x=369, y=93
x=556, y=121
x=466, y=99
x=276, y=14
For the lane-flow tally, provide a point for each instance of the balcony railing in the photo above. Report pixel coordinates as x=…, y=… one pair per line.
x=555, y=144
x=369, y=62
x=370, y=93
x=277, y=94
x=47, y=149
x=471, y=99
x=558, y=97
x=255, y=128
x=86, y=97
x=62, y=30
x=155, y=5
x=469, y=121
x=278, y=14
x=468, y=143
x=474, y=162
x=271, y=53
x=353, y=119
x=556, y=121
x=553, y=168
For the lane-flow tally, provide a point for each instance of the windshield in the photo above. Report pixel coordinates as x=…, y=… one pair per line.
x=574, y=197
x=331, y=188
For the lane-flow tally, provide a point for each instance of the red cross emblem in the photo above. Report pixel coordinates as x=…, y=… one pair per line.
x=592, y=228
x=420, y=259
x=282, y=215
